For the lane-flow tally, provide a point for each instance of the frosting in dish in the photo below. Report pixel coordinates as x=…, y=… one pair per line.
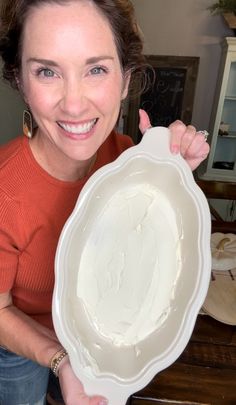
x=130, y=264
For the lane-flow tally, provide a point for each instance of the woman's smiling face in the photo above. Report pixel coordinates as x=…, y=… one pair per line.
x=71, y=77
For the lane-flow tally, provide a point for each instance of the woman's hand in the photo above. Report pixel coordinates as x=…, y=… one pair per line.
x=184, y=140
x=72, y=389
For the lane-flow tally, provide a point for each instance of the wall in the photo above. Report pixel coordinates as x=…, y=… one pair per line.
x=11, y=108
x=171, y=27
x=186, y=28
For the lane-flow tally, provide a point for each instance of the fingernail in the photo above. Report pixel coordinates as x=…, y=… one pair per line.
x=174, y=149
x=103, y=402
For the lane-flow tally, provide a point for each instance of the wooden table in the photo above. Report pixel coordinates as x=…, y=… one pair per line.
x=204, y=374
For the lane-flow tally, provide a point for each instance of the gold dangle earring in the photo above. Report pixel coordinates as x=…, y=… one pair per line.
x=27, y=124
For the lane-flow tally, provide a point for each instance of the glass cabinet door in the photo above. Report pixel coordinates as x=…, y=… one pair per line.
x=225, y=152
x=222, y=158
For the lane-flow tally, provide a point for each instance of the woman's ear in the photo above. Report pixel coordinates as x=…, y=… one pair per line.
x=20, y=86
x=17, y=80
x=125, y=90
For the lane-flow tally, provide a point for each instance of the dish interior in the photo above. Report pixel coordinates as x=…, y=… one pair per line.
x=131, y=251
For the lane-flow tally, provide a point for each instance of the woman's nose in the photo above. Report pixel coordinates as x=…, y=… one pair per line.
x=74, y=100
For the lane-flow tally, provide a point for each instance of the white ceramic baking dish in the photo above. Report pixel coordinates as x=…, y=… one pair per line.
x=132, y=269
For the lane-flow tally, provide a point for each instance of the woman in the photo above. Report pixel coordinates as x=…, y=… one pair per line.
x=73, y=62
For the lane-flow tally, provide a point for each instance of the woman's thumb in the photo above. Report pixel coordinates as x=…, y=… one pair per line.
x=144, y=121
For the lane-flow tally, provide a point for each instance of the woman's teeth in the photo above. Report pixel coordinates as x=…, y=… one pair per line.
x=78, y=129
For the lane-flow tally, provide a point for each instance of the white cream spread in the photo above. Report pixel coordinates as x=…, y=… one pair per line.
x=130, y=264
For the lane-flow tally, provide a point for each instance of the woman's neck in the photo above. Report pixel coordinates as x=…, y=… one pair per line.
x=56, y=163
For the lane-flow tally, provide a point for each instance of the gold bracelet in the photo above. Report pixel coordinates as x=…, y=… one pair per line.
x=56, y=359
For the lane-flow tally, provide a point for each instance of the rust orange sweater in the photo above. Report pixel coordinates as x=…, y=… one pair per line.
x=33, y=209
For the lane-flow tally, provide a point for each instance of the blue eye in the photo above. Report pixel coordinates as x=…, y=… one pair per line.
x=45, y=72
x=97, y=70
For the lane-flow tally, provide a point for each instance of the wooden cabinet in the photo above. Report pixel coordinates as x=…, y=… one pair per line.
x=221, y=164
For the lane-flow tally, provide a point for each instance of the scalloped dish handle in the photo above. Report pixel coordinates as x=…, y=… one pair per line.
x=151, y=142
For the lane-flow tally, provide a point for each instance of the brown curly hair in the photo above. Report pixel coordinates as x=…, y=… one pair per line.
x=119, y=14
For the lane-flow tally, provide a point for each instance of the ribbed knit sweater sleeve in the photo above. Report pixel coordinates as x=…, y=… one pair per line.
x=11, y=236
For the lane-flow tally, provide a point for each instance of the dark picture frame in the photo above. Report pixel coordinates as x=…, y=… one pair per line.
x=171, y=95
